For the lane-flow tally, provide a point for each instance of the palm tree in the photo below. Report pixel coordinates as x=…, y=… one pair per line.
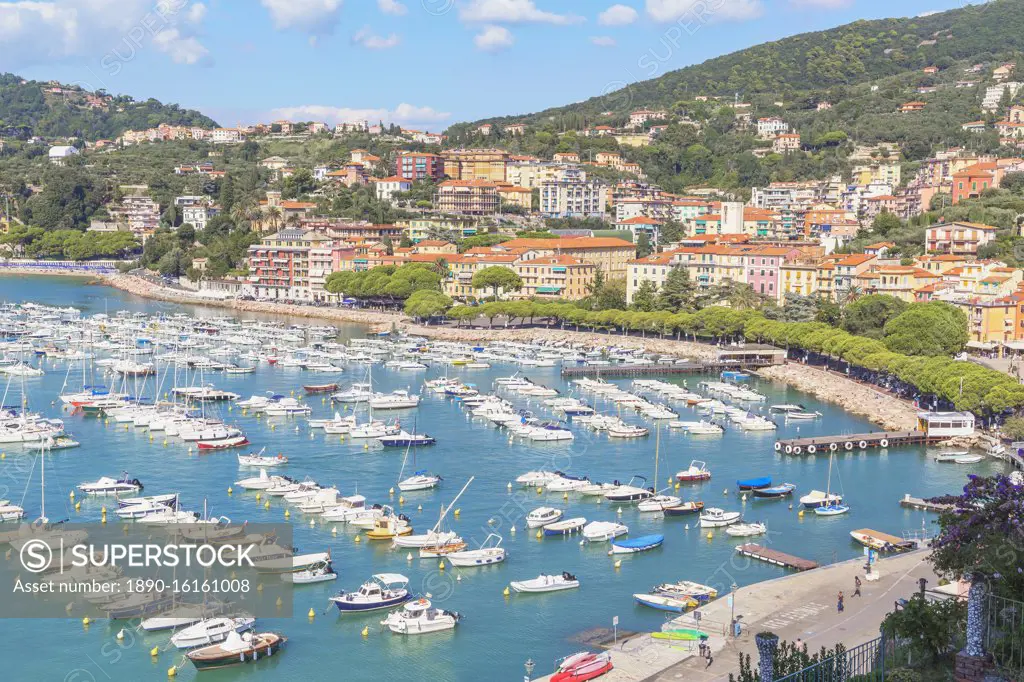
x=273, y=213
x=240, y=213
x=852, y=294
x=742, y=297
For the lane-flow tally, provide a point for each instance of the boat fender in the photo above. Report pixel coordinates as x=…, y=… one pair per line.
x=849, y=445
x=884, y=443
x=797, y=450
x=833, y=447
x=778, y=446
x=789, y=449
x=811, y=449
x=862, y=445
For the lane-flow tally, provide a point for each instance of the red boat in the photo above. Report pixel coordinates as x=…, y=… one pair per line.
x=583, y=666
x=697, y=471
x=272, y=359
x=223, y=443
x=321, y=388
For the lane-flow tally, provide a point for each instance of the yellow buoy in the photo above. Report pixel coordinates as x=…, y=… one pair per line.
x=366, y=631
x=230, y=490
x=506, y=592
x=103, y=510
x=710, y=535
x=565, y=496
x=278, y=602
x=312, y=523
x=172, y=671
x=78, y=506
x=677, y=486
x=85, y=621
x=539, y=535
x=287, y=514
x=72, y=494
x=618, y=564
x=440, y=566
x=267, y=505
x=120, y=634
x=334, y=530
x=670, y=480
x=155, y=651
x=391, y=491
x=259, y=588
x=312, y=613
x=457, y=512
x=401, y=499
x=358, y=538
x=800, y=513
x=408, y=557
x=539, y=490
x=258, y=496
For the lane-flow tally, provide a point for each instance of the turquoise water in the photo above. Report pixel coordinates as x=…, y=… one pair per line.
x=498, y=633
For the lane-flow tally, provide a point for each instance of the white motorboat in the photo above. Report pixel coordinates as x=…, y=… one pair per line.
x=209, y=631
x=396, y=400
x=565, y=526
x=346, y=507
x=262, y=482
x=742, y=530
x=623, y=430
x=537, y=478
x=381, y=591
x=542, y=516
x=547, y=583
x=659, y=503
x=629, y=492
x=565, y=483
x=713, y=517
x=596, y=489
x=603, y=531
x=259, y=460
x=487, y=554
x=357, y=393
x=701, y=428
x=421, y=480
x=320, y=573
x=420, y=617
x=112, y=486
x=430, y=539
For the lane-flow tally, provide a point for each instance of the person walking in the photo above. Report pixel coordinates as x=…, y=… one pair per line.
x=856, y=585
x=839, y=603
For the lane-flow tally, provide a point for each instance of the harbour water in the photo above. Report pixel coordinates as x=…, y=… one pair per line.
x=499, y=633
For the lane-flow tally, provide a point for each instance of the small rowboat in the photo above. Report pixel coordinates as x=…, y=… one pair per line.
x=583, y=666
x=635, y=545
x=754, y=483
x=320, y=388
x=676, y=603
x=566, y=527
x=684, y=509
x=681, y=635
x=223, y=443
x=783, y=490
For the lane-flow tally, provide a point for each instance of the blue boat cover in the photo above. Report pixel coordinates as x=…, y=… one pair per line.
x=640, y=542
x=762, y=482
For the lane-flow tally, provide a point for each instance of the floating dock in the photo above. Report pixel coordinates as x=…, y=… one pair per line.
x=918, y=503
x=628, y=370
x=775, y=557
x=855, y=441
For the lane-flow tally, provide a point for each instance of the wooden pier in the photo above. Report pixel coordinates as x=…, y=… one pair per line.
x=855, y=441
x=627, y=370
x=775, y=557
x=924, y=505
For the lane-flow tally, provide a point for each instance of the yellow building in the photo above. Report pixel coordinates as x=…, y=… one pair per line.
x=419, y=228
x=476, y=164
x=560, y=277
x=610, y=254
x=900, y=281
x=799, y=279
x=516, y=196
x=992, y=321
x=654, y=268
x=474, y=197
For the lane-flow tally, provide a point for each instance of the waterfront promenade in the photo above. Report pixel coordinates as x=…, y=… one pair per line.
x=796, y=605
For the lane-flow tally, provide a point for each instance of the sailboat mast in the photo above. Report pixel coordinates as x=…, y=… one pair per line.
x=449, y=507
x=828, y=484
x=657, y=449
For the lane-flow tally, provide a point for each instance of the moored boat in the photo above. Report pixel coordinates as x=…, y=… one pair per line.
x=237, y=650
x=546, y=583
x=643, y=543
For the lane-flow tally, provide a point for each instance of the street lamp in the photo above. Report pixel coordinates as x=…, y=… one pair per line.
x=529, y=665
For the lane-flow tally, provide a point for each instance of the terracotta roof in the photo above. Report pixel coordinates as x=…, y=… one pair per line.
x=560, y=259
x=856, y=259
x=641, y=220
x=297, y=205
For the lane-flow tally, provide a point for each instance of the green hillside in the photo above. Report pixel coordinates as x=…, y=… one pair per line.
x=812, y=64
x=30, y=108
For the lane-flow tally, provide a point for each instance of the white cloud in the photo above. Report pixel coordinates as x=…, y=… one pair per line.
x=392, y=7
x=494, y=39
x=603, y=41
x=196, y=13
x=313, y=16
x=181, y=49
x=617, y=15
x=403, y=114
x=113, y=32
x=369, y=40
x=512, y=12
x=699, y=11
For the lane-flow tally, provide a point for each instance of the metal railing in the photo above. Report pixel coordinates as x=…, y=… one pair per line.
x=1004, y=634
x=865, y=663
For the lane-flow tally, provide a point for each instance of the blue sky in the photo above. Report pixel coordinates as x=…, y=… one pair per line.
x=420, y=63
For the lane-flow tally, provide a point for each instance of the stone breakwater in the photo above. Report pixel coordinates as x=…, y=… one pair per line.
x=887, y=411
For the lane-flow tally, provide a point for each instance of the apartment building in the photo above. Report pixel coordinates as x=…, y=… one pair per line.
x=279, y=266
x=416, y=166
x=958, y=238
x=470, y=197
x=196, y=210
x=570, y=195
x=609, y=254
x=476, y=164
x=387, y=188
x=557, y=277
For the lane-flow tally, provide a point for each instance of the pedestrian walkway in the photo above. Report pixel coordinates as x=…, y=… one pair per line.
x=801, y=605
